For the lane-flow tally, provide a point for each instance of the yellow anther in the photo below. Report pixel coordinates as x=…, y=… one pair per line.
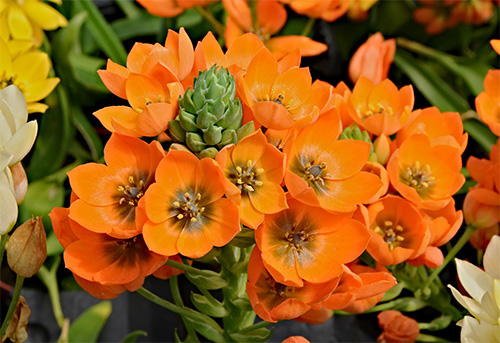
x=198, y=196
x=249, y=163
x=186, y=195
x=425, y=185
x=131, y=180
x=239, y=170
x=400, y=238
x=249, y=188
x=193, y=219
x=259, y=171
x=240, y=182
x=177, y=204
x=388, y=223
x=121, y=189
x=122, y=200
x=180, y=216
x=258, y=183
x=399, y=228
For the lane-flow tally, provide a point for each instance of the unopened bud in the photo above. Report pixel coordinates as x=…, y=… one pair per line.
x=20, y=182
x=27, y=248
x=382, y=148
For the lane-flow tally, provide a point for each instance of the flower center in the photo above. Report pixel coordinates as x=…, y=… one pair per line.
x=132, y=193
x=315, y=172
x=418, y=177
x=390, y=234
x=189, y=207
x=376, y=109
x=126, y=243
x=295, y=237
x=246, y=177
x=6, y=80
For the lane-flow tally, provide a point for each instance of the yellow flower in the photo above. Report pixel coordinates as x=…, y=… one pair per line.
x=25, y=19
x=28, y=70
x=484, y=288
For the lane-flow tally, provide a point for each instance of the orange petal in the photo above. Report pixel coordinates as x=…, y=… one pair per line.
x=243, y=49
x=268, y=198
x=261, y=74
x=162, y=238
x=137, y=56
x=271, y=16
x=212, y=51
x=95, y=184
x=154, y=119
x=142, y=89
x=272, y=115
x=281, y=46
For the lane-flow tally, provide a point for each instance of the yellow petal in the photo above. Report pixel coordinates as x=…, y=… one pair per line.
x=5, y=60
x=36, y=107
x=4, y=27
x=32, y=66
x=45, y=16
x=19, y=47
x=38, y=90
x=19, y=25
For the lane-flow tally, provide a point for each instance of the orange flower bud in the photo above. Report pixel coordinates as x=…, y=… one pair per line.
x=382, y=148
x=397, y=327
x=20, y=182
x=373, y=59
x=27, y=248
x=295, y=339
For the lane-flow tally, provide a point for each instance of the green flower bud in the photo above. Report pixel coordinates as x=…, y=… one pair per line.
x=210, y=116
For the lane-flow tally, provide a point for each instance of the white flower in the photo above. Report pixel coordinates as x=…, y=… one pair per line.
x=484, y=288
x=16, y=139
x=16, y=134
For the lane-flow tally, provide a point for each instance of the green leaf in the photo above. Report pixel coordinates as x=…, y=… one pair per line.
x=206, y=279
x=42, y=196
x=144, y=25
x=132, y=337
x=88, y=132
x=258, y=335
x=88, y=326
x=54, y=137
x=102, y=32
x=434, y=88
x=210, y=308
x=480, y=133
x=53, y=246
x=84, y=70
x=207, y=330
x=189, y=18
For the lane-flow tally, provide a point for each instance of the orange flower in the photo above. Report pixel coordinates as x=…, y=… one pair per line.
x=378, y=170
x=109, y=195
x=481, y=207
x=328, y=10
x=272, y=300
x=296, y=339
x=271, y=17
x=185, y=209
x=360, y=288
x=254, y=170
x=481, y=237
x=166, y=272
x=382, y=108
x=475, y=12
x=277, y=100
x=495, y=44
x=373, y=59
x=171, y=8
x=425, y=173
x=315, y=317
x=487, y=172
x=154, y=79
x=358, y=9
x=306, y=243
x=488, y=102
x=441, y=128
x=323, y=171
x=443, y=225
x=103, y=265
x=435, y=15
x=397, y=327
x=398, y=230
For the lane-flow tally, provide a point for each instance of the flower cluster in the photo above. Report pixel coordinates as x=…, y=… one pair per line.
x=309, y=182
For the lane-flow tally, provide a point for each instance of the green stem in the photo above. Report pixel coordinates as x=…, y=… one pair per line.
x=217, y=25
x=429, y=338
x=176, y=294
x=2, y=247
x=420, y=48
x=49, y=278
x=256, y=326
x=459, y=245
x=13, y=304
x=182, y=266
x=183, y=311
x=309, y=26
